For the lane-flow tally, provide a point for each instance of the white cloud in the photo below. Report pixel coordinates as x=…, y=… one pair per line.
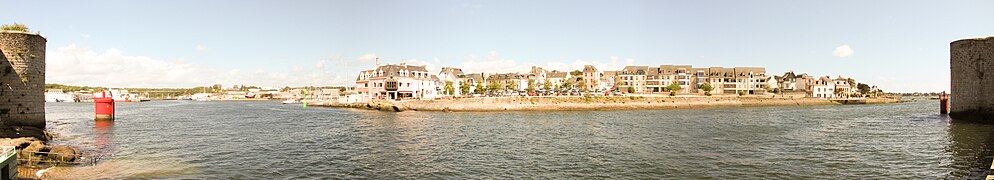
x=368, y=58
x=75, y=65
x=320, y=64
x=493, y=63
x=200, y=48
x=85, y=35
x=843, y=51
x=431, y=67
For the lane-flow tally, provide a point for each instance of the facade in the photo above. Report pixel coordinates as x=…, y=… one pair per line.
x=509, y=81
x=591, y=78
x=557, y=78
x=824, y=87
x=842, y=87
x=397, y=82
x=414, y=82
x=633, y=79
x=738, y=80
x=454, y=75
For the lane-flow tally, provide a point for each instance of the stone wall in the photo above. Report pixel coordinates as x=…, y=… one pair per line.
x=22, y=80
x=972, y=77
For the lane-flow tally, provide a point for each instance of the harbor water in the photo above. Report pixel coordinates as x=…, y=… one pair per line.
x=270, y=140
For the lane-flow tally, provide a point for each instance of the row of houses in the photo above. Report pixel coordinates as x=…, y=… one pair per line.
x=403, y=81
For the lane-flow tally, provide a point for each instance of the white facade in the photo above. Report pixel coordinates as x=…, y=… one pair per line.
x=397, y=82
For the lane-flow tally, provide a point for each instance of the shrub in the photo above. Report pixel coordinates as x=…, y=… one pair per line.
x=14, y=27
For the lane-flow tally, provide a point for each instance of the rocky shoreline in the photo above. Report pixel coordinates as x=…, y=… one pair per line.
x=34, y=152
x=588, y=103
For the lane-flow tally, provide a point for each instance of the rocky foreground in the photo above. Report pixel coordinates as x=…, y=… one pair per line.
x=34, y=152
x=590, y=103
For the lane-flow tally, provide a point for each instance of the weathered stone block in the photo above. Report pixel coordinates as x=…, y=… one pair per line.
x=22, y=79
x=972, y=79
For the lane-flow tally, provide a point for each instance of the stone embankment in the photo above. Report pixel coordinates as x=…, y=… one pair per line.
x=587, y=103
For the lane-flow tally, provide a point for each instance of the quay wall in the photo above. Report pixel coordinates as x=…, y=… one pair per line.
x=587, y=103
x=972, y=79
x=22, y=80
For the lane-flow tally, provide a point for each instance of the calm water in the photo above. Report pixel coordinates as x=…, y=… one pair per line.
x=266, y=139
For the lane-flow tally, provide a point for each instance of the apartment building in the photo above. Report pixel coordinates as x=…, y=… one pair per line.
x=397, y=82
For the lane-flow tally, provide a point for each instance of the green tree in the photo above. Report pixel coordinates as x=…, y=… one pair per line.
x=494, y=86
x=464, y=87
x=583, y=86
x=576, y=73
x=568, y=84
x=511, y=85
x=531, y=85
x=631, y=89
x=548, y=85
x=673, y=87
x=707, y=89
x=448, y=89
x=480, y=88
x=863, y=88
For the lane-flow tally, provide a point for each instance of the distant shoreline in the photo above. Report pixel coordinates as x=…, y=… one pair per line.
x=593, y=103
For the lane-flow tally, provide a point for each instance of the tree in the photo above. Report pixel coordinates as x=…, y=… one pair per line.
x=567, y=84
x=448, y=89
x=583, y=86
x=631, y=89
x=548, y=85
x=511, y=85
x=673, y=87
x=285, y=89
x=464, y=87
x=863, y=88
x=480, y=88
x=707, y=89
x=576, y=73
x=531, y=85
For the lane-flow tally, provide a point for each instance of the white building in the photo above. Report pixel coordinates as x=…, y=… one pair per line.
x=823, y=87
x=397, y=82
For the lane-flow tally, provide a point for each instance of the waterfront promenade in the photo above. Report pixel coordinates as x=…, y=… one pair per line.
x=585, y=103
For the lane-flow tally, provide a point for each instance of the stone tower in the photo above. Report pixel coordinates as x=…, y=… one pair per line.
x=22, y=80
x=972, y=76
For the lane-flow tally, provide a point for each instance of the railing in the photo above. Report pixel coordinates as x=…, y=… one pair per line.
x=8, y=151
x=45, y=158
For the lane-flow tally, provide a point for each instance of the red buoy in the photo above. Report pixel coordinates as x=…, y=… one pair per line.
x=103, y=106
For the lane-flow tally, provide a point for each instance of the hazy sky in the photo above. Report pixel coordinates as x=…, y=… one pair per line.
x=901, y=46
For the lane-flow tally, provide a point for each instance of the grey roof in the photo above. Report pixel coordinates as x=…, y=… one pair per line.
x=556, y=74
x=394, y=70
x=589, y=69
x=452, y=71
x=634, y=70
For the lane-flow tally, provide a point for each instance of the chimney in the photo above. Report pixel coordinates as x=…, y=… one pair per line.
x=377, y=61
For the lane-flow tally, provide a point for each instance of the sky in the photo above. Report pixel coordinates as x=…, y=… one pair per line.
x=900, y=46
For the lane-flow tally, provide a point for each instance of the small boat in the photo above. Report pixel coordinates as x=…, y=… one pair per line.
x=291, y=101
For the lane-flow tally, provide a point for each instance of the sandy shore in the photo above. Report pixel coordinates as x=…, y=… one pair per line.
x=588, y=103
